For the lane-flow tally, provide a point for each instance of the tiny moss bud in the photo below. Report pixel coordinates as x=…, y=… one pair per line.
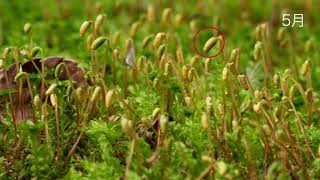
x=257, y=95
x=258, y=32
x=257, y=51
x=81, y=94
x=164, y=119
x=178, y=20
x=243, y=81
x=84, y=28
x=134, y=28
x=235, y=58
x=193, y=25
x=188, y=101
x=151, y=13
x=185, y=70
x=155, y=113
x=37, y=102
x=98, y=22
x=205, y=120
x=146, y=41
x=125, y=125
x=309, y=94
x=155, y=82
x=109, y=98
x=51, y=89
x=207, y=65
x=141, y=62
x=167, y=68
x=276, y=81
x=158, y=38
x=209, y=104
x=166, y=16
x=292, y=92
x=54, y=99
x=281, y=34
x=190, y=74
x=27, y=28
x=89, y=41
x=96, y=94
x=309, y=46
x=161, y=50
x=225, y=73
x=257, y=107
x=179, y=54
x=6, y=52
x=115, y=38
x=305, y=67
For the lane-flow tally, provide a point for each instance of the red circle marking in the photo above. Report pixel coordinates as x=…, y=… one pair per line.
x=195, y=38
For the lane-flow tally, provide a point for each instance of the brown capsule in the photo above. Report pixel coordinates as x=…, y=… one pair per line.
x=158, y=38
x=185, y=70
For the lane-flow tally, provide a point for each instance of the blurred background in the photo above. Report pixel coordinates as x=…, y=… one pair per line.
x=56, y=23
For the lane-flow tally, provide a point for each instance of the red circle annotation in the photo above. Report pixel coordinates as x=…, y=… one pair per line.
x=195, y=38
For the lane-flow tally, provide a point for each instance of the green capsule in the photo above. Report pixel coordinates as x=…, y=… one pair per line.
x=58, y=70
x=19, y=76
x=98, y=42
x=146, y=41
x=210, y=44
x=35, y=51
